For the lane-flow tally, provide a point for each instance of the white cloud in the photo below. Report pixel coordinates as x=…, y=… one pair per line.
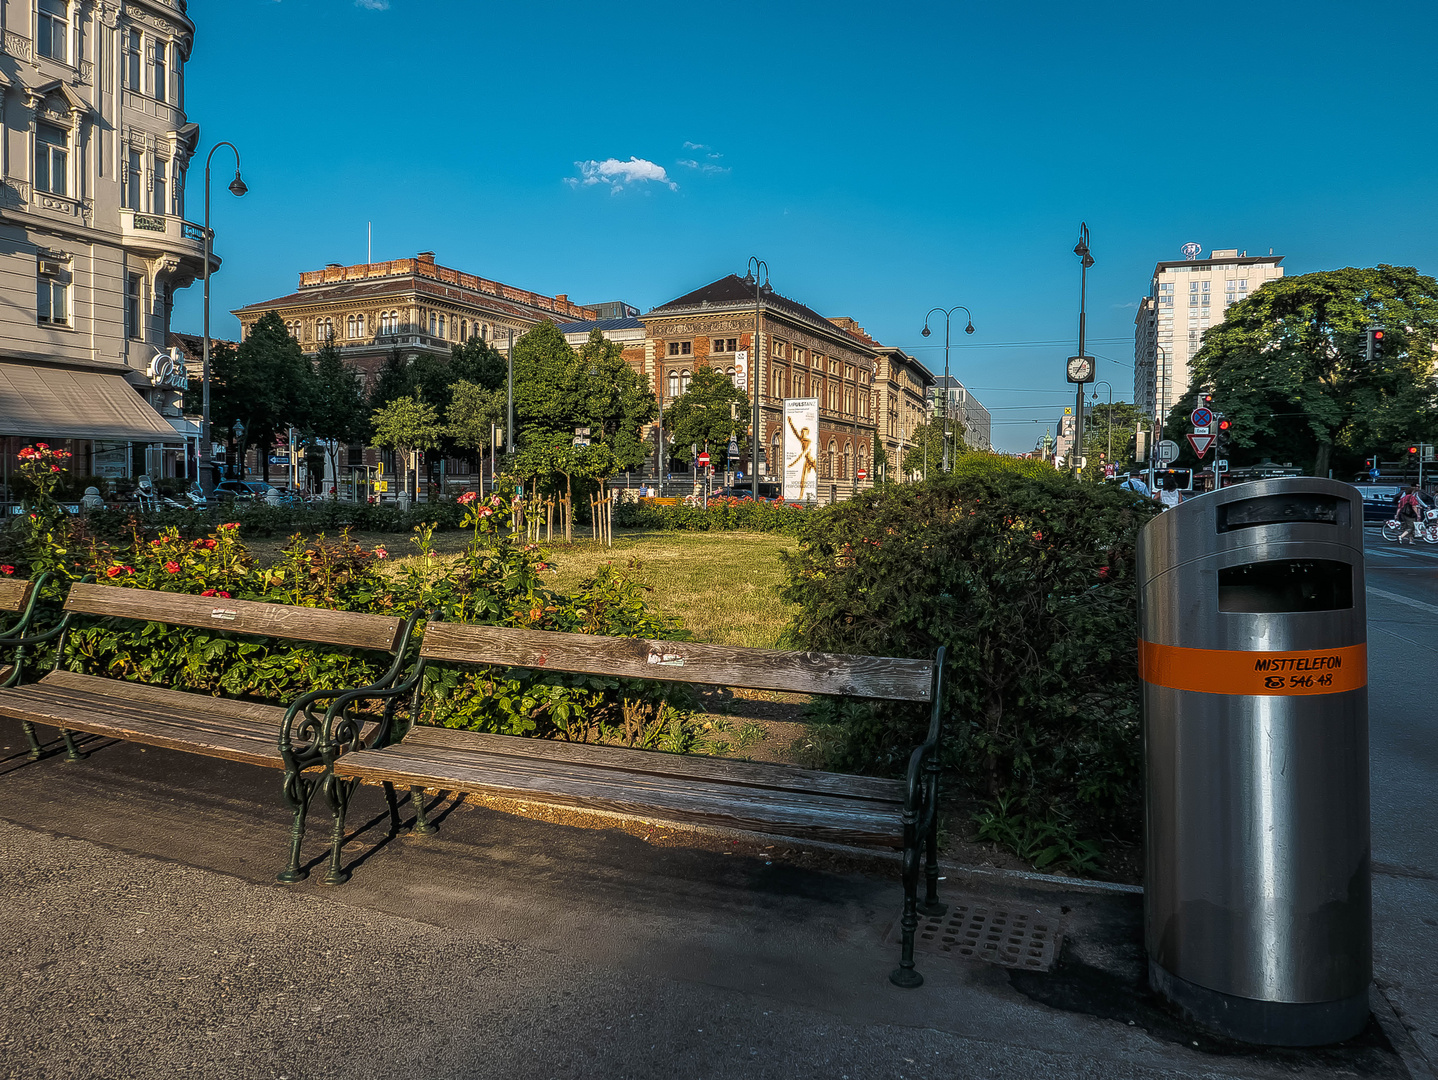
x=373, y=5
x=694, y=145
x=707, y=167
x=616, y=174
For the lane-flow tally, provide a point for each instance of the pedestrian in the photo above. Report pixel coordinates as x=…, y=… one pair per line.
x=1410, y=510
x=1170, y=496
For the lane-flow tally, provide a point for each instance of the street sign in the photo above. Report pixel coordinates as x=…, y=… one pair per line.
x=863, y=474
x=1200, y=443
x=1203, y=430
x=733, y=448
x=1221, y=465
x=381, y=485
x=704, y=459
x=1167, y=451
x=1201, y=417
x=1373, y=474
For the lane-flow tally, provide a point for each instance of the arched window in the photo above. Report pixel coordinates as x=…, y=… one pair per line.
x=674, y=384
x=684, y=382
x=441, y=327
x=463, y=329
x=776, y=454
x=483, y=331
x=329, y=329
x=829, y=461
x=798, y=384
x=350, y=327
x=359, y=325
x=863, y=456
x=848, y=455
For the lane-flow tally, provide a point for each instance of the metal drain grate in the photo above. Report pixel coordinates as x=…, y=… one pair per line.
x=1018, y=937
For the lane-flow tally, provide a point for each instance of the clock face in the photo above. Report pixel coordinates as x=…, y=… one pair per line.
x=1080, y=369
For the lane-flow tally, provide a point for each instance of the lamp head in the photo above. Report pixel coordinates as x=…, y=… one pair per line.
x=237, y=186
x=969, y=329
x=926, y=330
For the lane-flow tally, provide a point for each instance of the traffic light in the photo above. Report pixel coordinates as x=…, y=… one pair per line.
x=1373, y=346
x=1220, y=443
x=1412, y=452
x=1206, y=400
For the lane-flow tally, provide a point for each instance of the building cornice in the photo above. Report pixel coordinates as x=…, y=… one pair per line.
x=822, y=328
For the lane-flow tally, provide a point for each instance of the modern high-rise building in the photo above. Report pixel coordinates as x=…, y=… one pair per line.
x=96, y=146
x=965, y=411
x=1185, y=298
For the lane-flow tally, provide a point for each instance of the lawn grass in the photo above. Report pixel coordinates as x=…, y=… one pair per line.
x=722, y=586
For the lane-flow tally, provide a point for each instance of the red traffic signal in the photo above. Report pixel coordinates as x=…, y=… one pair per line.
x=1224, y=425
x=1413, y=449
x=1378, y=335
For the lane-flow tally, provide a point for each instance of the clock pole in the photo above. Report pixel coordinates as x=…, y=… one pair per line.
x=1085, y=261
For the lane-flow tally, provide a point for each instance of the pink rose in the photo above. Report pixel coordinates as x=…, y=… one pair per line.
x=172, y=567
x=467, y=498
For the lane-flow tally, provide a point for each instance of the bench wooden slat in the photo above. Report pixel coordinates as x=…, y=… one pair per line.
x=103, y=709
x=183, y=700
x=24, y=703
x=360, y=631
x=624, y=760
x=681, y=661
x=14, y=593
x=841, y=820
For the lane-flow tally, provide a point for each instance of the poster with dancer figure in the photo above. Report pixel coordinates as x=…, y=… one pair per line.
x=801, y=441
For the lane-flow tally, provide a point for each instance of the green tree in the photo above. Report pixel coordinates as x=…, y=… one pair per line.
x=925, y=454
x=557, y=390
x=1288, y=367
x=266, y=384
x=339, y=413
x=394, y=381
x=706, y=414
x=473, y=415
x=409, y=426
x=1108, y=426
x=478, y=362
x=881, y=463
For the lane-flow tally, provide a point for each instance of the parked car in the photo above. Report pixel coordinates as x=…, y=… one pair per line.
x=1378, y=501
x=769, y=491
x=240, y=490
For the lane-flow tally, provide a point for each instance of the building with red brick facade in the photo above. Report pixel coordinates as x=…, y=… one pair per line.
x=800, y=354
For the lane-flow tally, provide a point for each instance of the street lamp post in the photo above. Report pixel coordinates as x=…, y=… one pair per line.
x=1085, y=261
x=758, y=272
x=1159, y=362
x=969, y=329
x=1108, y=458
x=237, y=188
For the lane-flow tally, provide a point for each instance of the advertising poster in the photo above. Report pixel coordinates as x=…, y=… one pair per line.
x=801, y=453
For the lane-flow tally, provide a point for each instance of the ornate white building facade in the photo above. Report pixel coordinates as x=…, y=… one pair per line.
x=95, y=149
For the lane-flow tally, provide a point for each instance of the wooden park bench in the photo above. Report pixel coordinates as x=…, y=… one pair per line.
x=763, y=798
x=295, y=739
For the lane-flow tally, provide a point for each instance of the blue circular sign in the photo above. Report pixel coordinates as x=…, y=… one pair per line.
x=1201, y=417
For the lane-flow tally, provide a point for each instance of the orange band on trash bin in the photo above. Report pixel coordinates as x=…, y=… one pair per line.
x=1228, y=671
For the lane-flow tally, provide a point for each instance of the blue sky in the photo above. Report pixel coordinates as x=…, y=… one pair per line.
x=883, y=162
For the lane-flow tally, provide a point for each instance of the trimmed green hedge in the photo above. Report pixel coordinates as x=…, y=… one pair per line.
x=1027, y=577
x=743, y=515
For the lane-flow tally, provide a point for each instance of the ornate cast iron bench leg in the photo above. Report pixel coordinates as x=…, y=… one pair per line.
x=931, y=904
x=904, y=975
x=422, y=825
x=30, y=737
x=299, y=790
x=339, y=793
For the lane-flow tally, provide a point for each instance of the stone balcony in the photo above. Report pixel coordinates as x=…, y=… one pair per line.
x=160, y=236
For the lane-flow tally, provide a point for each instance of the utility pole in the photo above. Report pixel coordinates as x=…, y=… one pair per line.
x=509, y=413
x=1081, y=249
x=759, y=270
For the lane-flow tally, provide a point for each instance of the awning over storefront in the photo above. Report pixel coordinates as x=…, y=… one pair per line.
x=42, y=402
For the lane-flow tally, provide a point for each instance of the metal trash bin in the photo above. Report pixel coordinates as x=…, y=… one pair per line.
x=1252, y=649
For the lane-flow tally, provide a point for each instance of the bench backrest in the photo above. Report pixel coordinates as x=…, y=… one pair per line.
x=357, y=630
x=681, y=661
x=14, y=593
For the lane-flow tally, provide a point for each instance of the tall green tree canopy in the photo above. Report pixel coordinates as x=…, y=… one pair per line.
x=1106, y=426
x=338, y=412
x=925, y=449
x=474, y=413
x=266, y=384
x=1287, y=366
x=557, y=390
x=706, y=414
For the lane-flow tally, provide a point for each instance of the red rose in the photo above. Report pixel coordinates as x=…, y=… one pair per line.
x=7, y=569
x=114, y=571
x=172, y=567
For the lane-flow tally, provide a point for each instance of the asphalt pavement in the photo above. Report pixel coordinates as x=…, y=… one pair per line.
x=144, y=936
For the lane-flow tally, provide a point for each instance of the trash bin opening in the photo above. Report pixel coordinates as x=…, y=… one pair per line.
x=1284, y=585
x=1281, y=510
